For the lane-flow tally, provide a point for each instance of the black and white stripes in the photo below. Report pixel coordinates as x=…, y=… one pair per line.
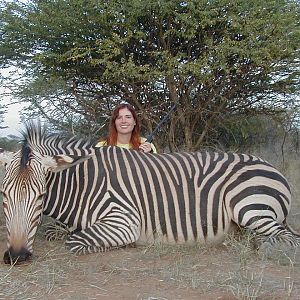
x=109, y=197
x=185, y=197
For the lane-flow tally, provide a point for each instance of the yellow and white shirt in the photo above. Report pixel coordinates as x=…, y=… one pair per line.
x=127, y=146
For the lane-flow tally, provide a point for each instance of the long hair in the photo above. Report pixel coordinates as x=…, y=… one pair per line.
x=112, y=137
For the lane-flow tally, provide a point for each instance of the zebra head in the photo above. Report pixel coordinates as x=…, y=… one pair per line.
x=23, y=187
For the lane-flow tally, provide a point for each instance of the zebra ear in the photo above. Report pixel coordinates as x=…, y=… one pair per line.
x=5, y=157
x=61, y=162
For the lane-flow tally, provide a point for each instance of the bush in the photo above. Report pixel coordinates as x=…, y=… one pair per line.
x=9, y=144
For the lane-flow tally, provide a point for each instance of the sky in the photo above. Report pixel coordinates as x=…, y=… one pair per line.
x=12, y=117
x=12, y=120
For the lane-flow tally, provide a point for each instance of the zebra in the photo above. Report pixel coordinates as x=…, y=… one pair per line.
x=109, y=197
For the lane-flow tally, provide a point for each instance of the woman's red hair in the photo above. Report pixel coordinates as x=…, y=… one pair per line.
x=135, y=140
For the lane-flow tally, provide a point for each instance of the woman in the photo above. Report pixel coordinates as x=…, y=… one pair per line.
x=124, y=130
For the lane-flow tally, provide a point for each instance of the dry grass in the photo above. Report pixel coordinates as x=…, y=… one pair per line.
x=229, y=271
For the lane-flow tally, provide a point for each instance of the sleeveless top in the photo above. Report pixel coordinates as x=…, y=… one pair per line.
x=127, y=146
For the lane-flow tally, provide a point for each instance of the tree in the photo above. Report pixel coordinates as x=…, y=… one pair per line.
x=220, y=61
x=2, y=112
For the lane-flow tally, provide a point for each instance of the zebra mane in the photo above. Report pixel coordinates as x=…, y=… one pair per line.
x=36, y=137
x=26, y=151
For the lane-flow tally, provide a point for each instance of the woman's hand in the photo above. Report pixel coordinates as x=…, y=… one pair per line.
x=145, y=147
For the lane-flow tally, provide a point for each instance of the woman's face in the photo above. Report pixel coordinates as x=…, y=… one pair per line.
x=125, y=121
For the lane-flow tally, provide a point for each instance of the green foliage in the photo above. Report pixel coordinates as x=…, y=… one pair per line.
x=242, y=134
x=238, y=134
x=216, y=59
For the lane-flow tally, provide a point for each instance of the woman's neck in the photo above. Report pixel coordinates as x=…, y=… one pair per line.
x=124, y=138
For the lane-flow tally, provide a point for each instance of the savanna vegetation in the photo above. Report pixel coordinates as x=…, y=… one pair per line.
x=225, y=63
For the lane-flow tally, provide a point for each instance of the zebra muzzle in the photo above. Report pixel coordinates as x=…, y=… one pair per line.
x=12, y=257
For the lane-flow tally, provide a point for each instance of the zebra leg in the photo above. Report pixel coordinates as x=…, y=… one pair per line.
x=268, y=230
x=56, y=231
x=117, y=229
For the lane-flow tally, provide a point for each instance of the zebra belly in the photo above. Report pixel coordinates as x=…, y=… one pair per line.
x=178, y=222
x=147, y=238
